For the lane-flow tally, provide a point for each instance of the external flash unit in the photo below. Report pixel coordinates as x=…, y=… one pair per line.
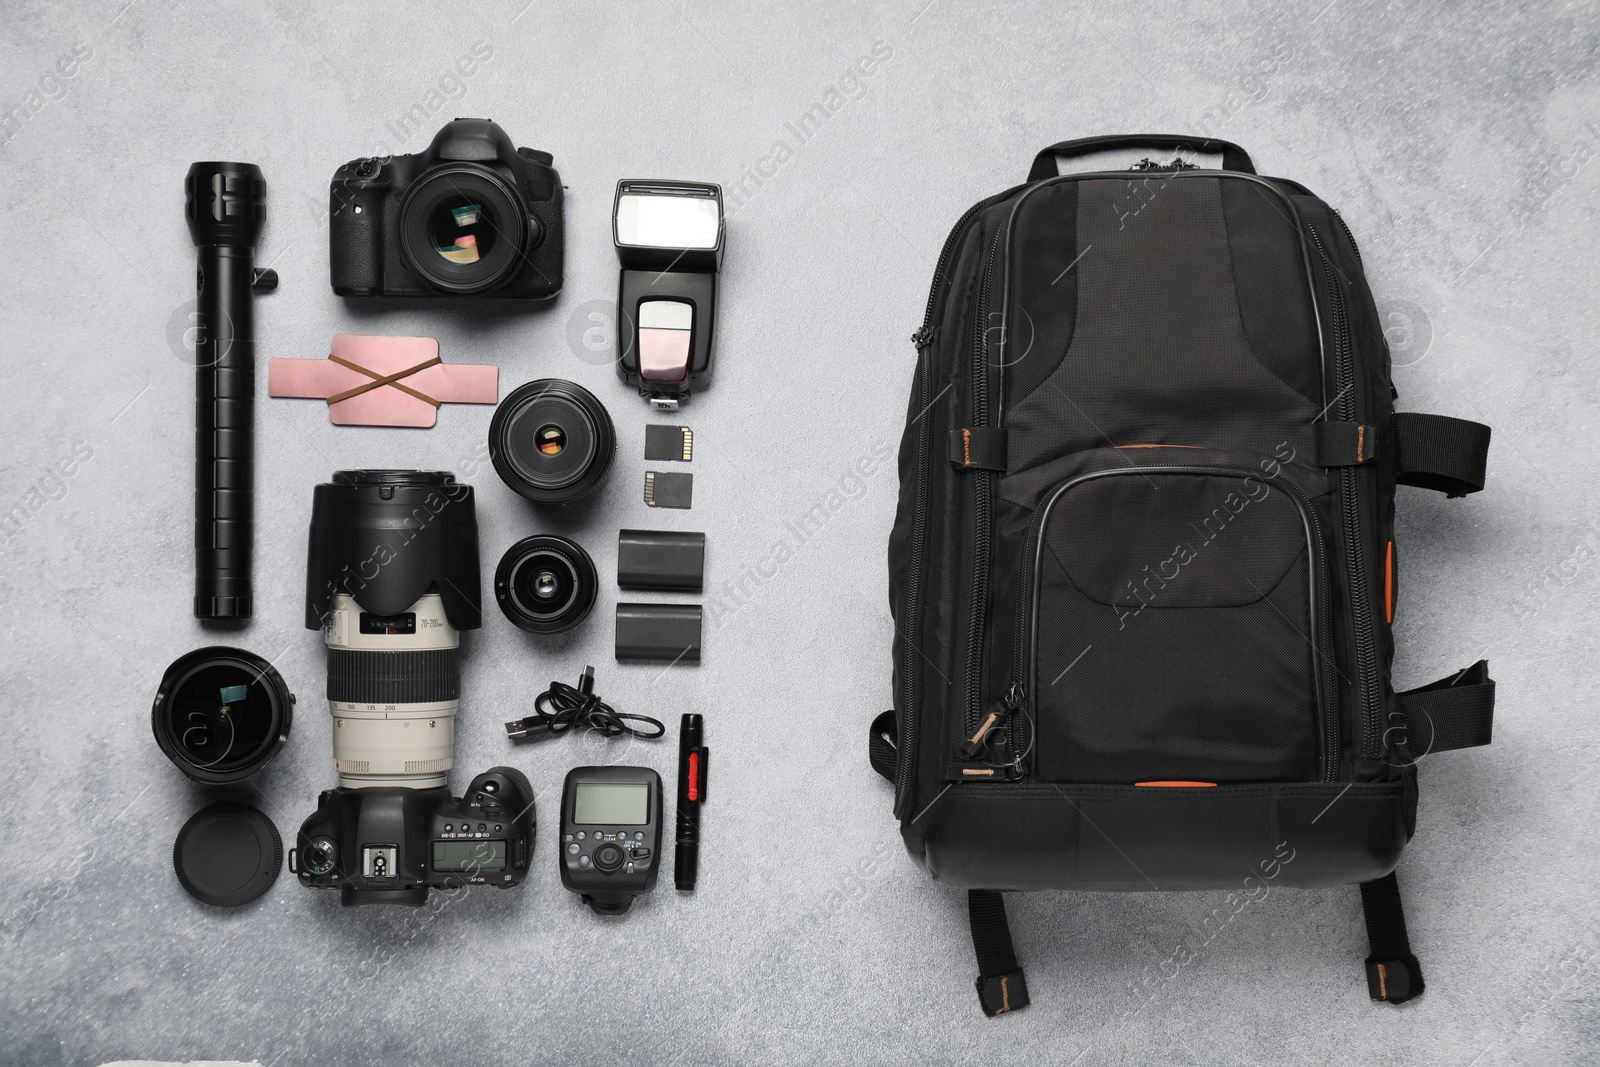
x=669, y=242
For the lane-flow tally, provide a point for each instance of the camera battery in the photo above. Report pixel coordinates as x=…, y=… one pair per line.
x=667, y=560
x=660, y=633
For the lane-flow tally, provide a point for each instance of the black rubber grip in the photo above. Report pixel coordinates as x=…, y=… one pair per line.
x=224, y=417
x=394, y=677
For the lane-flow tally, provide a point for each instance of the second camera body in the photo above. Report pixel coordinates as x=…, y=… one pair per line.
x=471, y=215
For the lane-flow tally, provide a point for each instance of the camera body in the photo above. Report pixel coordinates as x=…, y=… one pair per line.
x=611, y=819
x=390, y=232
x=390, y=845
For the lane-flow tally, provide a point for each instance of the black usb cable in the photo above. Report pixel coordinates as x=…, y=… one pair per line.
x=563, y=707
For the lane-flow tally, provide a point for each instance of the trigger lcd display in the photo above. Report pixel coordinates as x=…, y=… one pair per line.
x=611, y=804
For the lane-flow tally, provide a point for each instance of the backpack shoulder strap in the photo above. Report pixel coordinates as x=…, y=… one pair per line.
x=1001, y=986
x=1393, y=973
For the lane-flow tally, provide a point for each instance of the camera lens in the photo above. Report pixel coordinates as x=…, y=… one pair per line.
x=221, y=714
x=552, y=441
x=463, y=228
x=546, y=584
x=391, y=580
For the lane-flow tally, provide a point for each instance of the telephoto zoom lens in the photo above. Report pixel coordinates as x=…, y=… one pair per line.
x=546, y=584
x=552, y=441
x=392, y=580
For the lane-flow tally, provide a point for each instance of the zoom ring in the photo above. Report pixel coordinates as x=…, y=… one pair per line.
x=417, y=677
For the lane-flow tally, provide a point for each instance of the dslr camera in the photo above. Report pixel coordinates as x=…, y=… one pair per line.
x=472, y=215
x=391, y=581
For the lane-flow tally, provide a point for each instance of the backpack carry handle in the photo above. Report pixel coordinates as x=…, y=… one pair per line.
x=1233, y=157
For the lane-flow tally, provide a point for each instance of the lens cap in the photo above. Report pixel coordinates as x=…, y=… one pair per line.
x=552, y=441
x=227, y=855
x=221, y=714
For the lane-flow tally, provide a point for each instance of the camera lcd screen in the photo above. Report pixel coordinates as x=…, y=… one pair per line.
x=667, y=221
x=469, y=855
x=611, y=803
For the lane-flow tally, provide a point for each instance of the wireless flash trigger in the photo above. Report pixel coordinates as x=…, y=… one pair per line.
x=669, y=240
x=611, y=821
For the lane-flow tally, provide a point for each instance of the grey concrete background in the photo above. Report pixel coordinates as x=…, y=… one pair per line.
x=1458, y=139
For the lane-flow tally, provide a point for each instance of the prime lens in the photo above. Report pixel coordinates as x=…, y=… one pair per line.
x=546, y=584
x=221, y=714
x=464, y=229
x=552, y=441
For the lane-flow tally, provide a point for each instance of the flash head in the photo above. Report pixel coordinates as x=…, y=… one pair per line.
x=668, y=236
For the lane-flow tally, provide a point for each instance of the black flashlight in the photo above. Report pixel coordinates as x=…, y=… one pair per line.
x=225, y=209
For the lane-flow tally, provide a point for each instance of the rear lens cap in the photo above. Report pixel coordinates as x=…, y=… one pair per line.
x=227, y=855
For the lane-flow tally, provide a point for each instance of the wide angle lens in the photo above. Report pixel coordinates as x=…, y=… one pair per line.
x=221, y=714
x=546, y=584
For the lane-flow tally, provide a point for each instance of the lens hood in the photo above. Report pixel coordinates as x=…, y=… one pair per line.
x=386, y=537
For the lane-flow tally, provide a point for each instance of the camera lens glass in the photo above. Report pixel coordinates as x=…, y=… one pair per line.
x=552, y=441
x=546, y=584
x=463, y=228
x=221, y=714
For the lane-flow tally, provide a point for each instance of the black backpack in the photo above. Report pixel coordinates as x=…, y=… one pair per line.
x=1143, y=571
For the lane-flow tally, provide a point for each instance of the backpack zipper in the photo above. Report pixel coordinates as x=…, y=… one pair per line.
x=1022, y=653
x=1367, y=698
x=982, y=505
x=911, y=695
x=1349, y=236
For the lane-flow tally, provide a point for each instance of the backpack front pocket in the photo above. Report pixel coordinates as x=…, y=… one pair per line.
x=1172, y=630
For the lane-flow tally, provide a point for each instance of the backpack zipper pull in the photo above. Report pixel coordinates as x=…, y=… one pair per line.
x=999, y=715
x=922, y=338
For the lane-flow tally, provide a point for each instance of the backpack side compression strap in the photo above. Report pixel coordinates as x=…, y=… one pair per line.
x=1440, y=453
x=1001, y=986
x=1393, y=973
x=1454, y=712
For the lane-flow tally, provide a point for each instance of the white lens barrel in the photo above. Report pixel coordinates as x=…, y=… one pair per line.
x=393, y=685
